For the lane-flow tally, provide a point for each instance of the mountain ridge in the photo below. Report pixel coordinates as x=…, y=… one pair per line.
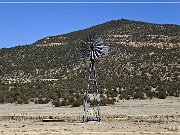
x=126, y=31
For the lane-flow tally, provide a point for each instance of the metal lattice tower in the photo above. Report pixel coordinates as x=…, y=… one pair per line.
x=92, y=48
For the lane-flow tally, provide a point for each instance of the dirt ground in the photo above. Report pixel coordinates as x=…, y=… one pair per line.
x=167, y=113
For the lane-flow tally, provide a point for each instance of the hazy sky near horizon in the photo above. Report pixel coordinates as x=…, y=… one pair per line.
x=22, y=24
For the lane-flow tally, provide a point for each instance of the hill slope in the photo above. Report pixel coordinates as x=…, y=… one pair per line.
x=143, y=62
x=124, y=32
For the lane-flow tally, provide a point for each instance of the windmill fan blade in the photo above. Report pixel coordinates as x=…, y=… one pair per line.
x=98, y=51
x=94, y=54
x=91, y=55
x=97, y=54
x=92, y=47
x=99, y=47
x=87, y=54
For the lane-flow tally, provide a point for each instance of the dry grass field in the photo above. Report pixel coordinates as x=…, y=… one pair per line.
x=127, y=117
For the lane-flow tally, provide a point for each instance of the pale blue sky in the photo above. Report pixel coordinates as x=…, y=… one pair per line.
x=25, y=23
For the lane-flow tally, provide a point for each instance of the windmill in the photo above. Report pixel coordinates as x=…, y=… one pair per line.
x=92, y=47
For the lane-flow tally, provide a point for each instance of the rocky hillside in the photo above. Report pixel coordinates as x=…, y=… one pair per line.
x=143, y=62
x=124, y=32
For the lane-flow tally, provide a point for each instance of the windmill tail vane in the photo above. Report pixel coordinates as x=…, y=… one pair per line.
x=92, y=47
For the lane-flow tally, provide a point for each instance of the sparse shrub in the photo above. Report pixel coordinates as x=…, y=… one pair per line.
x=77, y=102
x=138, y=95
x=64, y=103
x=26, y=102
x=162, y=94
x=20, y=101
x=104, y=101
x=150, y=94
x=56, y=103
x=32, y=100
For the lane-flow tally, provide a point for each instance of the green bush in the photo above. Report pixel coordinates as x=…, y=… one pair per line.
x=77, y=102
x=56, y=103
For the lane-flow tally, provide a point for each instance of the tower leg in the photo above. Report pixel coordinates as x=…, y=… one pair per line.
x=92, y=97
